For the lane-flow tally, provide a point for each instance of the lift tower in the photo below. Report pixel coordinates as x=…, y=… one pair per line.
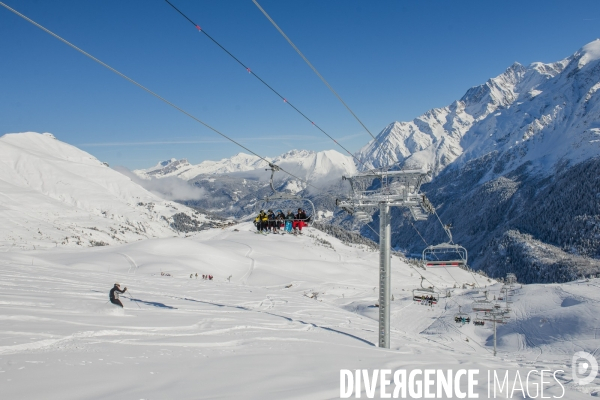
x=381, y=190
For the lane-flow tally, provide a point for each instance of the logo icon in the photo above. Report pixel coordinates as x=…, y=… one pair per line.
x=584, y=364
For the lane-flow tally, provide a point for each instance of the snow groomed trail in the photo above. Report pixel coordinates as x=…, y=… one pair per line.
x=255, y=336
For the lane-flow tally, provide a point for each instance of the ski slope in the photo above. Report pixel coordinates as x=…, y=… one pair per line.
x=53, y=194
x=246, y=334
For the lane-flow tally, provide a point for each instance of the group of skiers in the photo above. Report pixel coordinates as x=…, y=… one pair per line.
x=462, y=320
x=271, y=222
x=426, y=300
x=207, y=277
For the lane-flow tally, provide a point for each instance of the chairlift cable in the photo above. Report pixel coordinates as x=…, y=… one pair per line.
x=443, y=226
x=372, y=229
x=180, y=109
x=263, y=82
x=315, y=71
x=147, y=90
x=419, y=233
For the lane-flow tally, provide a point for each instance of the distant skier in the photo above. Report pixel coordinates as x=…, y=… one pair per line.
x=114, y=297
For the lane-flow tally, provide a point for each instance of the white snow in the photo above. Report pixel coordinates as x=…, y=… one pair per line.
x=252, y=337
x=282, y=317
x=53, y=194
x=589, y=52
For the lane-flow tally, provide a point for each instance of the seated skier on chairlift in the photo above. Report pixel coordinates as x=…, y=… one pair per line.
x=289, y=221
x=261, y=221
x=279, y=220
x=300, y=221
x=271, y=221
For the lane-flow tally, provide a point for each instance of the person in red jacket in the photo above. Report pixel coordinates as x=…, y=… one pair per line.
x=299, y=221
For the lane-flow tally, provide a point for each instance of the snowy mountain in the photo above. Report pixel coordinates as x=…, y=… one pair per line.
x=541, y=113
x=184, y=170
x=517, y=164
x=236, y=184
x=319, y=168
x=53, y=194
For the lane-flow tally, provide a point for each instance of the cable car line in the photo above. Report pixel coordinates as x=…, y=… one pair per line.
x=263, y=82
x=147, y=90
x=317, y=73
x=180, y=109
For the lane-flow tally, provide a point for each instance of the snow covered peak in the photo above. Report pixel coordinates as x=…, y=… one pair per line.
x=165, y=163
x=184, y=170
x=588, y=53
x=294, y=154
x=558, y=99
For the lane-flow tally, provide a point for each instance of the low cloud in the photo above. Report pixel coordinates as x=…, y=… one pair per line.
x=169, y=188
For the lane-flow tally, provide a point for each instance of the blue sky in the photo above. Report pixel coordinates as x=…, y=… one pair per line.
x=389, y=60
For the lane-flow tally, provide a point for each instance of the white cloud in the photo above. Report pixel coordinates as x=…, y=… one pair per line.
x=169, y=188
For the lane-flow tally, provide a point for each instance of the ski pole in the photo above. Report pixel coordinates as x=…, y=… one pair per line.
x=132, y=299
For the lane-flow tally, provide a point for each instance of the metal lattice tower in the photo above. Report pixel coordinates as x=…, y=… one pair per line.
x=381, y=190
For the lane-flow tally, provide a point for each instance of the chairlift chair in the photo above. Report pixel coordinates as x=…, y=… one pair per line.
x=445, y=255
x=461, y=317
x=511, y=278
x=483, y=306
x=287, y=197
x=477, y=321
x=426, y=296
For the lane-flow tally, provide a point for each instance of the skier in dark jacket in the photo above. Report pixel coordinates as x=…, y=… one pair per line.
x=114, y=297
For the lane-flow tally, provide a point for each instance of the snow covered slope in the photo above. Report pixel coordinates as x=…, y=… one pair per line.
x=541, y=113
x=53, y=194
x=280, y=319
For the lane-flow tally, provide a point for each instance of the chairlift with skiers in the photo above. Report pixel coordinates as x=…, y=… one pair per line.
x=426, y=296
x=283, y=200
x=461, y=317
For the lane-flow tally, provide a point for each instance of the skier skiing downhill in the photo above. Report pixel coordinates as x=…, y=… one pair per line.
x=114, y=297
